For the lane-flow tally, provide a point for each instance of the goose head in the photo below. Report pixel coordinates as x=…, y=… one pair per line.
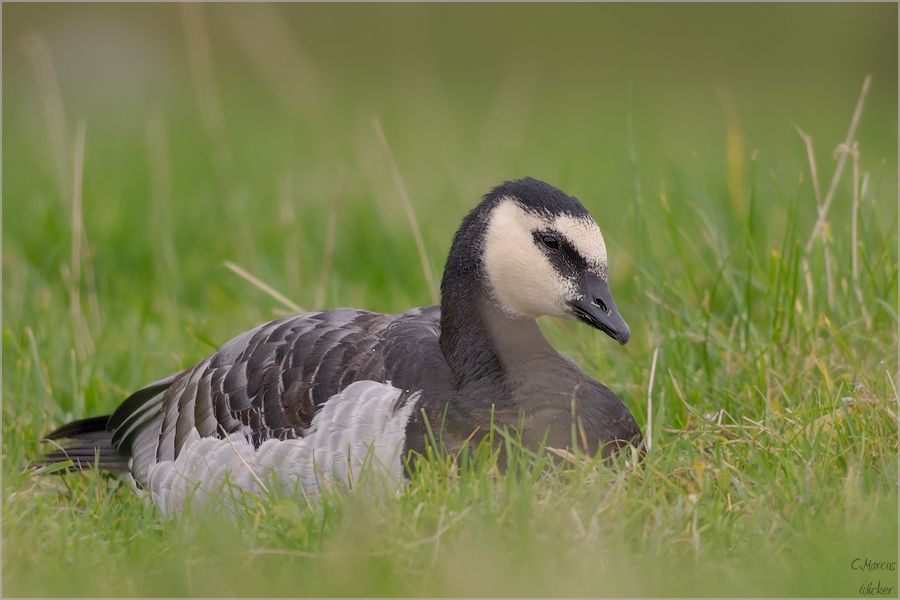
x=542, y=253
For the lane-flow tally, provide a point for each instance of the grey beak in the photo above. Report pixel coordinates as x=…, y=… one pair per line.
x=598, y=309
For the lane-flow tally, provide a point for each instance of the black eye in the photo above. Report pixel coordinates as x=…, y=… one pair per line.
x=550, y=241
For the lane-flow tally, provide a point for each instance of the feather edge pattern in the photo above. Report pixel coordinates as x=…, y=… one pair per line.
x=357, y=437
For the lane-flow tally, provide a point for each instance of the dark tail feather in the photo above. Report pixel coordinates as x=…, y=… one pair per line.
x=96, y=450
x=85, y=429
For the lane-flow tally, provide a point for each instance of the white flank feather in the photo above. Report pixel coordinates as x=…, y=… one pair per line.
x=355, y=429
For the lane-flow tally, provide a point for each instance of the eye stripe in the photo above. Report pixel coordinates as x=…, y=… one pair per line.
x=572, y=261
x=560, y=252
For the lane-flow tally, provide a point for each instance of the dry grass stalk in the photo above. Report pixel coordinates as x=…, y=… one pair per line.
x=426, y=265
x=37, y=49
x=677, y=389
x=81, y=252
x=807, y=276
x=649, y=435
x=564, y=454
x=78, y=390
x=853, y=150
x=894, y=389
x=329, y=240
x=437, y=538
x=728, y=352
x=854, y=121
x=160, y=172
x=83, y=341
x=864, y=187
x=264, y=287
x=288, y=220
x=91, y=283
x=259, y=481
x=821, y=210
x=632, y=151
x=40, y=374
x=161, y=192
x=734, y=149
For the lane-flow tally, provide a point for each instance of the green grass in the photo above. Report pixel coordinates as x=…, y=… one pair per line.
x=774, y=458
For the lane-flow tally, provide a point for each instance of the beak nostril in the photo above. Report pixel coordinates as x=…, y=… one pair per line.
x=600, y=304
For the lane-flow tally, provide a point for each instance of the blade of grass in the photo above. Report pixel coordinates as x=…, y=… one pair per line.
x=819, y=207
x=329, y=240
x=423, y=255
x=51, y=100
x=649, y=435
x=161, y=199
x=289, y=226
x=676, y=238
x=850, y=356
x=83, y=341
x=264, y=287
x=854, y=121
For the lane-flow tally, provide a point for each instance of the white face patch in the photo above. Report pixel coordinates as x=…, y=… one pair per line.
x=521, y=278
x=586, y=237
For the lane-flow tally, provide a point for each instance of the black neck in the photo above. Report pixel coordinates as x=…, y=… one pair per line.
x=485, y=346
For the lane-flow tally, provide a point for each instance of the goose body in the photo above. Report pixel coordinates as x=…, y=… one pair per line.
x=310, y=398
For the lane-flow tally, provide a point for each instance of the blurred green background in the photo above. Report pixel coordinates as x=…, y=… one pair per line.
x=468, y=96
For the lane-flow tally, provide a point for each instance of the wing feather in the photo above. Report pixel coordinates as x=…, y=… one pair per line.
x=270, y=382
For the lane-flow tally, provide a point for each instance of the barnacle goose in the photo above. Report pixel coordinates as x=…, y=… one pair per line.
x=307, y=398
